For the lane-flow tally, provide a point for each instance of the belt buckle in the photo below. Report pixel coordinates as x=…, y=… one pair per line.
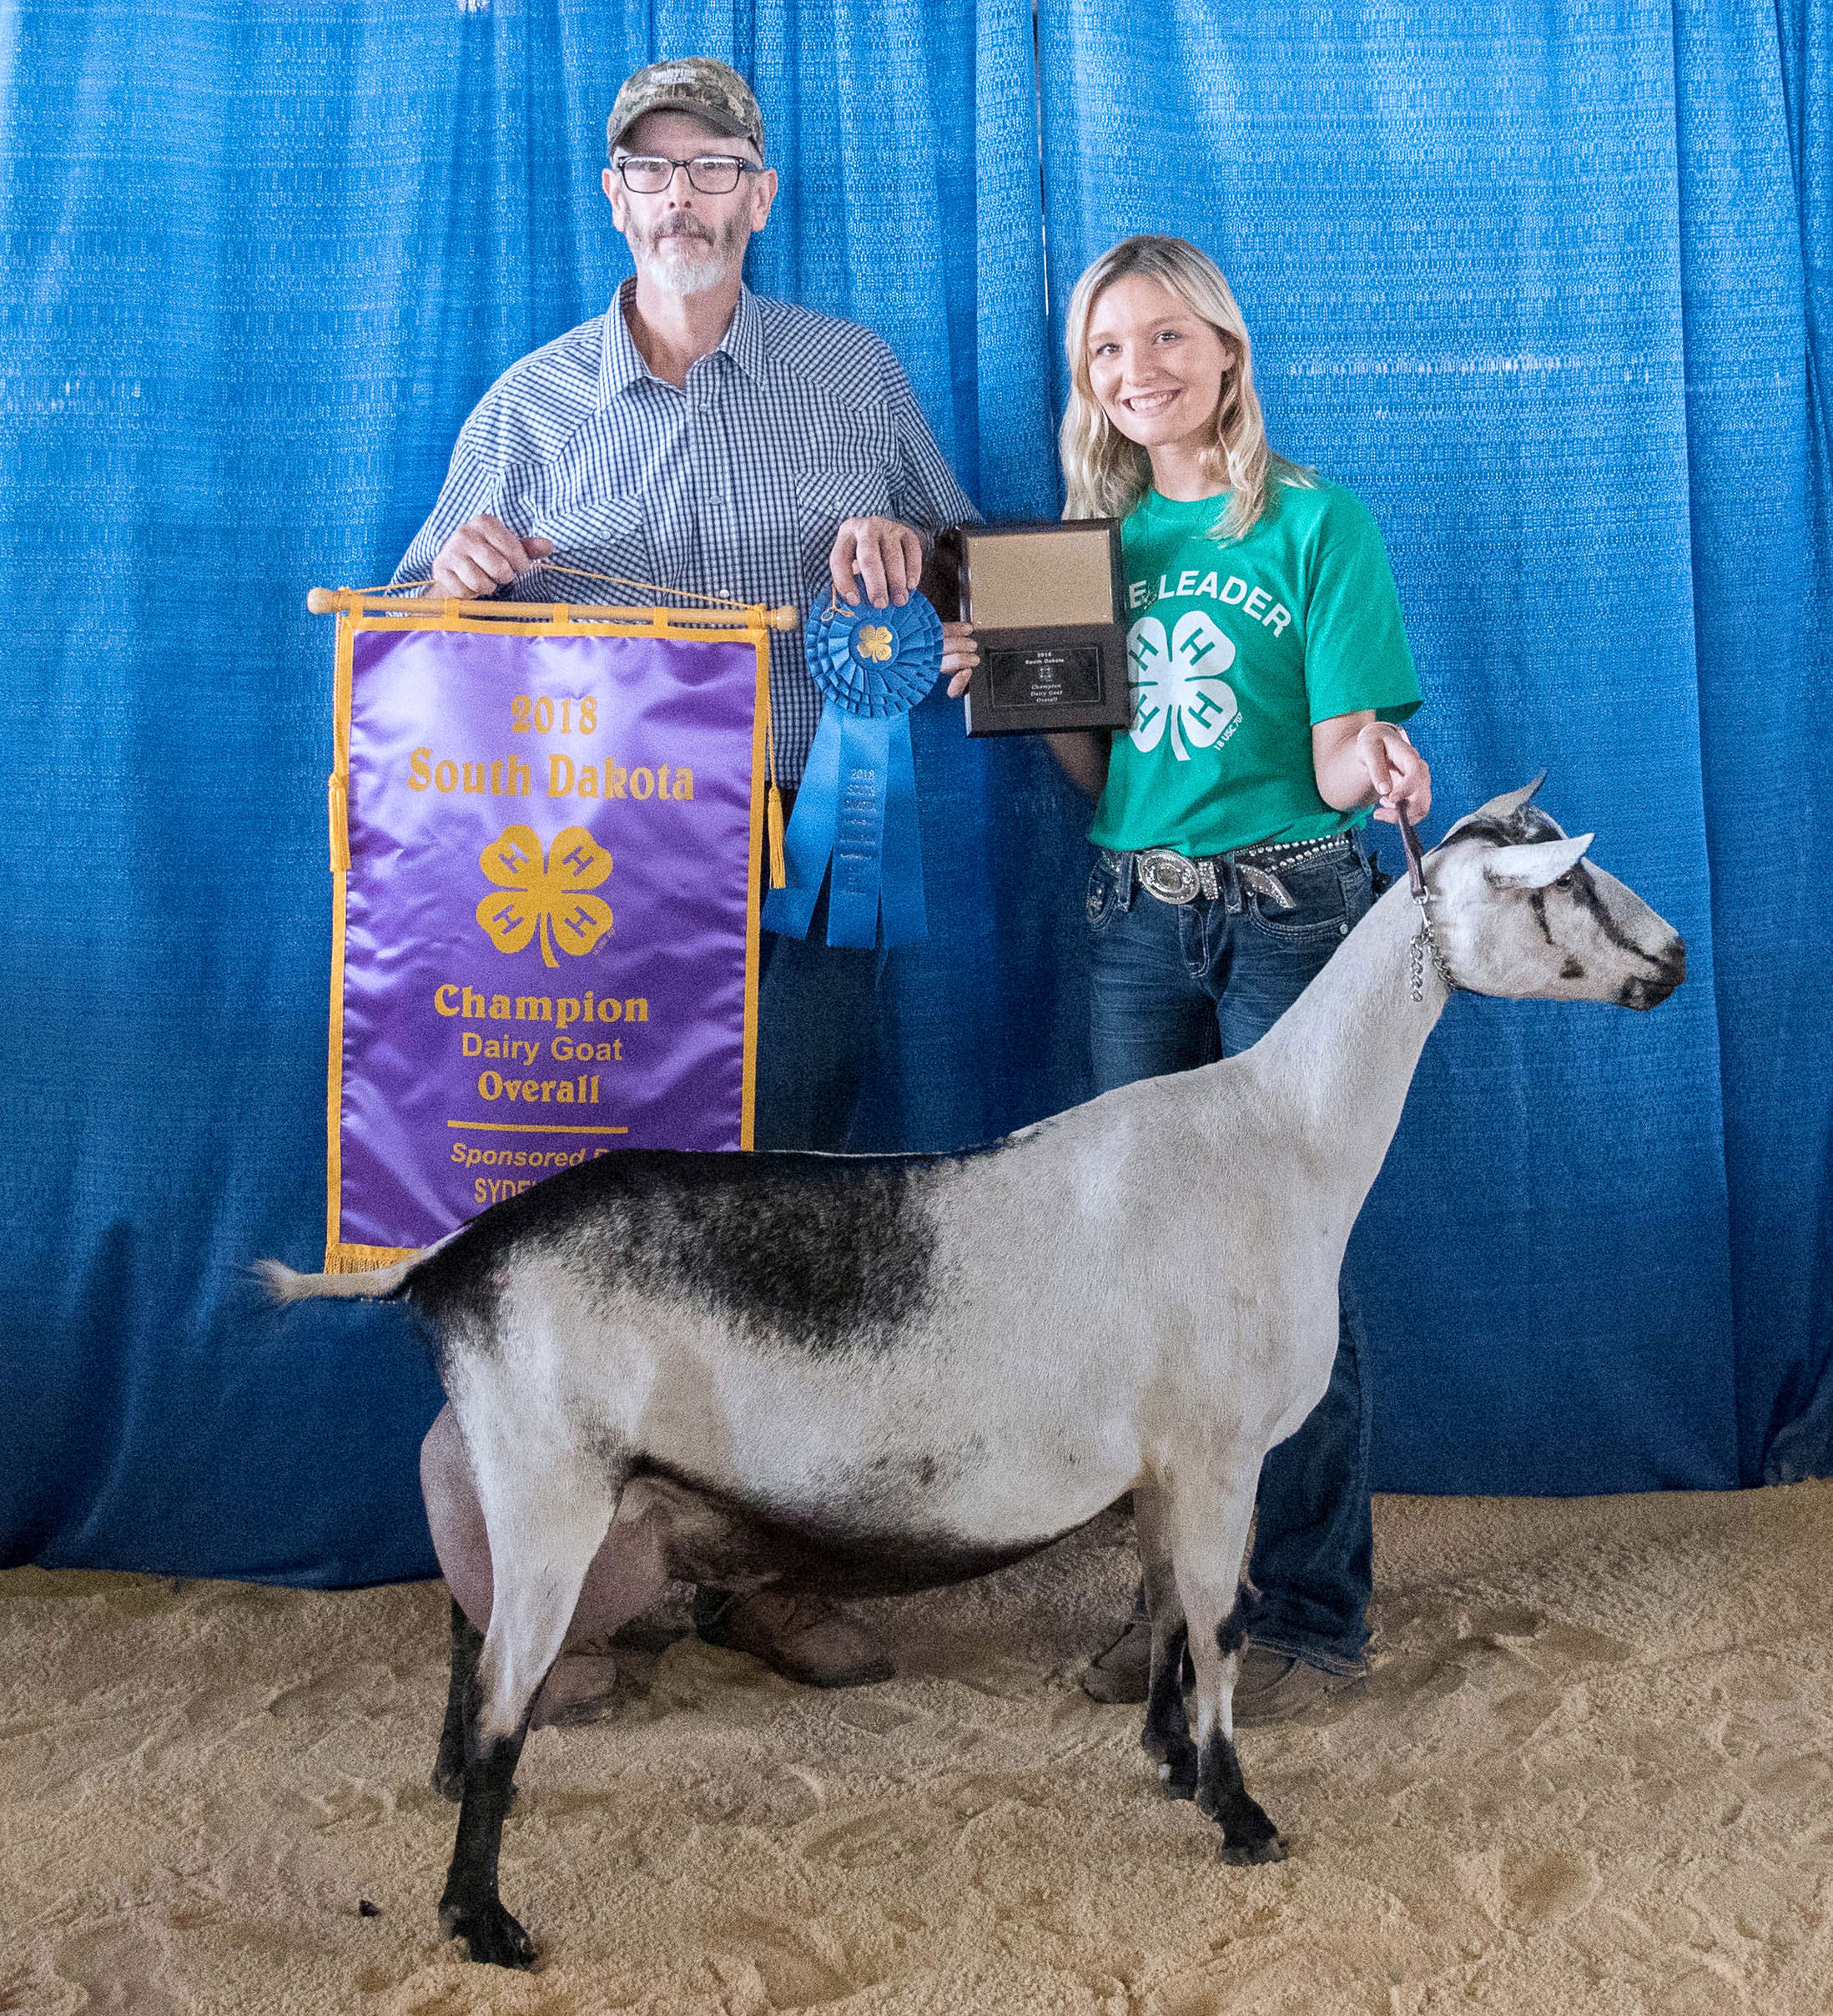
x=1266, y=882
x=1169, y=876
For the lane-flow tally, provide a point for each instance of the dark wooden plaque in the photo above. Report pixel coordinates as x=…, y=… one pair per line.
x=1046, y=602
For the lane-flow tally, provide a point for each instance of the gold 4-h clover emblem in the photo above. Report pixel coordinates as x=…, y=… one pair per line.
x=875, y=643
x=544, y=895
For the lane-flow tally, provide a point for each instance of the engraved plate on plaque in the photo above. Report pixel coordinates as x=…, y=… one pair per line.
x=1063, y=675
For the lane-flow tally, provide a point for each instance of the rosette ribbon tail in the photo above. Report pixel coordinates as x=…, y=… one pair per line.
x=900, y=886
x=856, y=806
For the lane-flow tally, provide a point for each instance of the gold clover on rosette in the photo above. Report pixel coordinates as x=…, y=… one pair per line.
x=875, y=643
x=545, y=895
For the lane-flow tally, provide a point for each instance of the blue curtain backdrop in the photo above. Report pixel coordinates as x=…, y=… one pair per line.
x=1552, y=292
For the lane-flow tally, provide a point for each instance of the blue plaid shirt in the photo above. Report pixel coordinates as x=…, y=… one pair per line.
x=733, y=486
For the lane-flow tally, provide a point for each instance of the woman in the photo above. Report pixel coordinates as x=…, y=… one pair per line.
x=1271, y=672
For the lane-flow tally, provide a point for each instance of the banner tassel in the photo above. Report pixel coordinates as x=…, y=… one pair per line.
x=773, y=797
x=773, y=820
x=340, y=798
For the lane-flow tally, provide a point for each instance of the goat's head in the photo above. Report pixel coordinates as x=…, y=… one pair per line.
x=1517, y=911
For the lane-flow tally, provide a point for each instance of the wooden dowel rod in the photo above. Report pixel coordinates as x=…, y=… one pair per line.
x=328, y=601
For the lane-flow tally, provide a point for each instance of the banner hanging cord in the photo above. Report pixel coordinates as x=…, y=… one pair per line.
x=616, y=581
x=773, y=799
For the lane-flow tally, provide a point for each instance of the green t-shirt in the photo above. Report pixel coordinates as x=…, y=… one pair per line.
x=1236, y=649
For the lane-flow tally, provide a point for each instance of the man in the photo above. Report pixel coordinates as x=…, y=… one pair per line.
x=701, y=438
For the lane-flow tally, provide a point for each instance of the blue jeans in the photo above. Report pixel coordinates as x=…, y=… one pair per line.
x=818, y=1017
x=1173, y=986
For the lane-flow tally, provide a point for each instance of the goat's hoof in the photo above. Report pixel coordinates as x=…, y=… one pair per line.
x=491, y=1935
x=1247, y=1854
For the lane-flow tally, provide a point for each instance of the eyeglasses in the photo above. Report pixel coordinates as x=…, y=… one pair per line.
x=711, y=175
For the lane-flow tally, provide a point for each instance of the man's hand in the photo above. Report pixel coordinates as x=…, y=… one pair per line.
x=886, y=555
x=482, y=557
x=960, y=654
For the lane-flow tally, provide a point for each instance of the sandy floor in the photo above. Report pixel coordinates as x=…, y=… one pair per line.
x=1590, y=1771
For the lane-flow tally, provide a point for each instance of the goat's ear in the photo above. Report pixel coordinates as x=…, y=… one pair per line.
x=1502, y=807
x=1537, y=863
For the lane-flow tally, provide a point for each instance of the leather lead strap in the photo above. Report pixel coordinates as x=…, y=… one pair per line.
x=1416, y=874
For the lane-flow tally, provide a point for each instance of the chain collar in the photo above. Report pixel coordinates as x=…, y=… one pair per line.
x=1424, y=941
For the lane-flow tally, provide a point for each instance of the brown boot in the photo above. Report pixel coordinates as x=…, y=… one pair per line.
x=805, y=1638
x=1274, y=1687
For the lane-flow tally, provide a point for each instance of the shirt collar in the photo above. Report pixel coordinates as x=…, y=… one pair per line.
x=743, y=340
x=622, y=365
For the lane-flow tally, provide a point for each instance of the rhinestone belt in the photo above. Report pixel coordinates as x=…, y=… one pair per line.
x=1288, y=853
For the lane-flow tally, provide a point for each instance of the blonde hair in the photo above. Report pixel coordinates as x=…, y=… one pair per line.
x=1105, y=474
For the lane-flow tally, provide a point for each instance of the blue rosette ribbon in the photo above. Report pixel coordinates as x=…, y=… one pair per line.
x=856, y=805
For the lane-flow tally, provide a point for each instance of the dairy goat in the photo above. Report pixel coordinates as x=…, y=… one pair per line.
x=878, y=1373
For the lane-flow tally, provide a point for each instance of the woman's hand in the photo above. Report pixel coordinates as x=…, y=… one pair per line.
x=960, y=654
x=1399, y=773
x=1356, y=758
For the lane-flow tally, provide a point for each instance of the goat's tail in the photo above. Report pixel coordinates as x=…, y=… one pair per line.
x=283, y=1284
x=376, y=1284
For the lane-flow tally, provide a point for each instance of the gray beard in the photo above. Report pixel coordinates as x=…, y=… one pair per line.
x=683, y=265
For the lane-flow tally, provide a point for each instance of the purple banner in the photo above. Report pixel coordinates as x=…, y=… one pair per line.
x=550, y=919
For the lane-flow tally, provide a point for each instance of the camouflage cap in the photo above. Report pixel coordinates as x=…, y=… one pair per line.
x=697, y=85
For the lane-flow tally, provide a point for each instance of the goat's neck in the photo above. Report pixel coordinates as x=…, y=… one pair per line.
x=1343, y=1056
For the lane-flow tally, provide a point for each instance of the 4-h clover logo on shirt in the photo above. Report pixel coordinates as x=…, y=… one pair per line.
x=1180, y=682
x=544, y=895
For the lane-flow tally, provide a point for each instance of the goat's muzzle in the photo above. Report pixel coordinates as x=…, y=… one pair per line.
x=1650, y=990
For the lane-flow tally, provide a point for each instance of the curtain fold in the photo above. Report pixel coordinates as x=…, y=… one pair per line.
x=1754, y=213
